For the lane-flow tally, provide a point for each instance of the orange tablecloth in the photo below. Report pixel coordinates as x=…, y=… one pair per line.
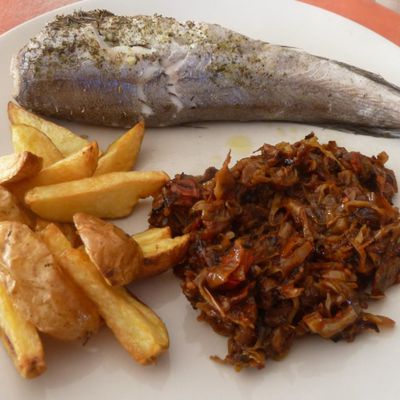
x=365, y=12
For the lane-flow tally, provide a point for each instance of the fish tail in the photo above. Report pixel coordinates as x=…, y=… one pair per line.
x=388, y=132
x=370, y=75
x=366, y=130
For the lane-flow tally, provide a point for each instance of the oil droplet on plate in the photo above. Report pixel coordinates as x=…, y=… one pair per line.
x=240, y=144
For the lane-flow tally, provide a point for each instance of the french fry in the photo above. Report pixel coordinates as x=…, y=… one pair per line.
x=139, y=330
x=10, y=210
x=105, y=196
x=160, y=251
x=79, y=165
x=152, y=235
x=39, y=290
x=66, y=141
x=55, y=240
x=116, y=256
x=26, y=138
x=122, y=154
x=68, y=230
x=18, y=166
x=161, y=255
x=21, y=339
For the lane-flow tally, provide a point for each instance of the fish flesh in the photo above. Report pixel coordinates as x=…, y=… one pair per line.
x=103, y=69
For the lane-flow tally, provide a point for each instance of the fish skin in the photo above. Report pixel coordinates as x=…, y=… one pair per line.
x=102, y=69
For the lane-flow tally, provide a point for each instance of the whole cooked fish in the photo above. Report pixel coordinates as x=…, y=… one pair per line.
x=111, y=70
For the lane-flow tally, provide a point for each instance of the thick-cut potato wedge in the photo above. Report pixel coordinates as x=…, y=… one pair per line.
x=79, y=165
x=26, y=138
x=40, y=291
x=139, y=330
x=66, y=141
x=106, y=196
x=122, y=154
x=116, y=256
x=55, y=240
x=18, y=166
x=161, y=255
x=10, y=209
x=21, y=339
x=152, y=235
x=67, y=230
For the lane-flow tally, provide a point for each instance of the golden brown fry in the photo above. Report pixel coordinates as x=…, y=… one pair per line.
x=26, y=138
x=55, y=239
x=66, y=141
x=21, y=339
x=79, y=165
x=18, y=166
x=139, y=330
x=70, y=233
x=39, y=289
x=106, y=196
x=162, y=255
x=122, y=154
x=10, y=209
x=116, y=256
x=41, y=224
x=152, y=235
x=68, y=230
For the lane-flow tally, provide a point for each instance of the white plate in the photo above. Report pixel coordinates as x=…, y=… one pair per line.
x=315, y=368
